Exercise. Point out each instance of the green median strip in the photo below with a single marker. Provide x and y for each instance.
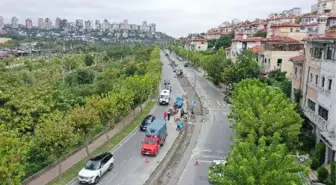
(71, 173)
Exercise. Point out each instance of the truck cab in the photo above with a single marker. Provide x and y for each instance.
(164, 97)
(156, 134)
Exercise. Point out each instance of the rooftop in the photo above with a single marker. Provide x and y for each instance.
(283, 17)
(256, 49)
(248, 39)
(291, 24)
(329, 35)
(298, 59)
(278, 39)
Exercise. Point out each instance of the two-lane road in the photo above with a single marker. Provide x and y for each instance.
(213, 141)
(130, 167)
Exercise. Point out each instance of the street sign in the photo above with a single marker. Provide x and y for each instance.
(194, 102)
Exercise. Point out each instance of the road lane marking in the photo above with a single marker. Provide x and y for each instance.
(130, 160)
(113, 177)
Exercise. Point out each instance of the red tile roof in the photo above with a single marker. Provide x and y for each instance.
(256, 49)
(310, 16)
(300, 58)
(278, 39)
(329, 35)
(248, 39)
(331, 15)
(197, 40)
(291, 24)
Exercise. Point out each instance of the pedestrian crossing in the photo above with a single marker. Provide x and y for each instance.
(217, 104)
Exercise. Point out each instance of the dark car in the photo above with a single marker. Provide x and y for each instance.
(186, 64)
(168, 87)
(146, 121)
(166, 82)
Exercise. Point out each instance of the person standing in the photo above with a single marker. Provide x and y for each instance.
(164, 115)
(168, 115)
(182, 113)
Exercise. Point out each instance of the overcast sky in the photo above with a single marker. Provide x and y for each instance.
(174, 17)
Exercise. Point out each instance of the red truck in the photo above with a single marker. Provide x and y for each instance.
(156, 134)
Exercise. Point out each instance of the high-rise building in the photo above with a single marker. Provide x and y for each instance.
(63, 24)
(57, 23)
(48, 24)
(15, 22)
(326, 6)
(41, 23)
(314, 8)
(88, 25)
(72, 27)
(106, 25)
(29, 23)
(79, 25)
(97, 25)
(152, 27)
(2, 23)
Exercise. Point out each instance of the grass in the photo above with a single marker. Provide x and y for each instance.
(72, 172)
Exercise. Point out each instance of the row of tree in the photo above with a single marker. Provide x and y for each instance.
(220, 68)
(266, 128)
(41, 123)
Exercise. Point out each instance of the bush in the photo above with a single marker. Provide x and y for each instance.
(315, 163)
(322, 173)
(333, 173)
(320, 152)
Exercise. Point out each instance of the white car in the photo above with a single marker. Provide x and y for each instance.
(96, 168)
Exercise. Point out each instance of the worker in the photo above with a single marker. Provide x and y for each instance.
(165, 115)
(182, 113)
(169, 114)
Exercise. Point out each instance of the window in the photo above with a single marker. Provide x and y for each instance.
(329, 84)
(322, 81)
(311, 77)
(316, 79)
(311, 105)
(295, 71)
(279, 62)
(291, 29)
(323, 112)
(265, 60)
(329, 55)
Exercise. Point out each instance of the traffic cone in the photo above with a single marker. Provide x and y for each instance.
(196, 163)
(146, 160)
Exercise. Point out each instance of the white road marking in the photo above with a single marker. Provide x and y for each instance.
(130, 160)
(113, 176)
(219, 103)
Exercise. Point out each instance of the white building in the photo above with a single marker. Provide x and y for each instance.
(97, 25)
(79, 24)
(196, 45)
(15, 22)
(48, 24)
(88, 25)
(29, 23)
(57, 23)
(41, 23)
(326, 6)
(106, 25)
(239, 44)
(314, 8)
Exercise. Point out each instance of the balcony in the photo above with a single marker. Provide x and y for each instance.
(313, 86)
(324, 91)
(321, 123)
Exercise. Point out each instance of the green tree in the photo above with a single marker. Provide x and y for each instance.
(89, 60)
(263, 110)
(260, 33)
(255, 162)
(278, 79)
(55, 137)
(29, 65)
(12, 156)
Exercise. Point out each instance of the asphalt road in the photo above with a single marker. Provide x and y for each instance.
(130, 167)
(213, 141)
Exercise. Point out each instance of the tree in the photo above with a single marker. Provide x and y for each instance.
(12, 156)
(260, 33)
(84, 120)
(89, 60)
(55, 137)
(278, 79)
(262, 161)
(246, 66)
(264, 110)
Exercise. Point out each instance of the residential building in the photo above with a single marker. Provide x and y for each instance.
(106, 25)
(144, 26)
(319, 100)
(88, 25)
(97, 25)
(72, 27)
(296, 11)
(64, 24)
(296, 31)
(313, 8)
(2, 23)
(326, 6)
(41, 23)
(331, 22)
(29, 23)
(196, 44)
(235, 21)
(79, 25)
(240, 44)
(48, 24)
(115, 26)
(309, 18)
(152, 27)
(276, 52)
(15, 22)
(57, 23)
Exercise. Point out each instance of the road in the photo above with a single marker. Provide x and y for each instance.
(213, 141)
(130, 167)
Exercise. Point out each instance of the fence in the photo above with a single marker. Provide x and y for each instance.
(54, 170)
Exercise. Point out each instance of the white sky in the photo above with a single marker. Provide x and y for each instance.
(173, 17)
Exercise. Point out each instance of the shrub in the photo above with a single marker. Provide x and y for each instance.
(320, 152)
(315, 163)
(333, 173)
(322, 173)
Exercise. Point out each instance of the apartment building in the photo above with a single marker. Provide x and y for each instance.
(240, 44)
(41, 23)
(276, 52)
(2, 23)
(314, 76)
(15, 22)
(196, 44)
(29, 23)
(326, 6)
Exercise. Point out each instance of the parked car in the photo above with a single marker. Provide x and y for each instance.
(95, 168)
(168, 87)
(179, 101)
(215, 170)
(186, 64)
(146, 121)
(166, 82)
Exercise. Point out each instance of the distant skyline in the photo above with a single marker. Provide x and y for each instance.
(173, 17)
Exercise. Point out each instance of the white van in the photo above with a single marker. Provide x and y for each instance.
(164, 97)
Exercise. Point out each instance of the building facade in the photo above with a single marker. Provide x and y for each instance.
(2, 23)
(29, 23)
(326, 6)
(196, 44)
(15, 22)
